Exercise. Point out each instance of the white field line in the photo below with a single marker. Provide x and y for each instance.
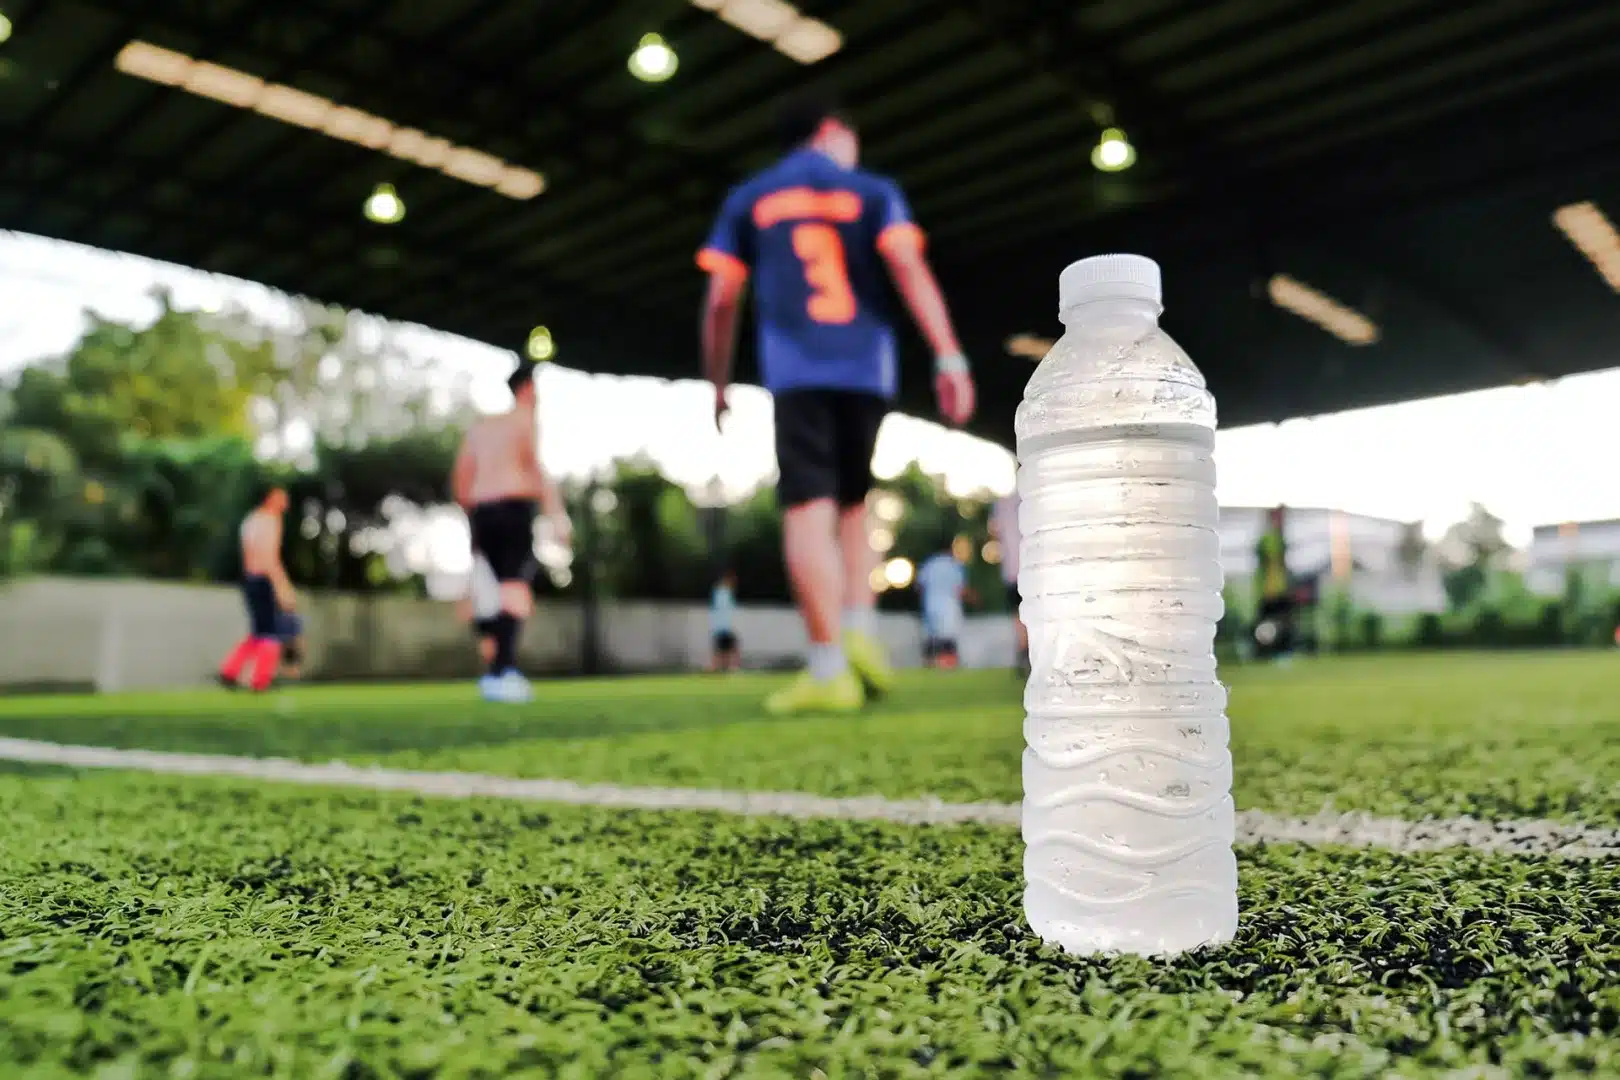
(1526, 837)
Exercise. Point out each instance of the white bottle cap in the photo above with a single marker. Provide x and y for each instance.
(1110, 277)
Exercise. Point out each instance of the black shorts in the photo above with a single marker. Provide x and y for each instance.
(824, 443)
(260, 597)
(1015, 599)
(503, 533)
(1278, 607)
(725, 641)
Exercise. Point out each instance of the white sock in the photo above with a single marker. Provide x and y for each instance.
(861, 620)
(827, 662)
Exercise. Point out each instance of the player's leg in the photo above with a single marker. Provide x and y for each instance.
(231, 668)
(484, 632)
(807, 490)
(503, 532)
(290, 633)
(261, 649)
(859, 418)
(1015, 601)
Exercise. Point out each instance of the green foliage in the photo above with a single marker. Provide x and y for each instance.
(134, 454)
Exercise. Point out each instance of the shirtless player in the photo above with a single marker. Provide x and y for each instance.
(269, 596)
(499, 482)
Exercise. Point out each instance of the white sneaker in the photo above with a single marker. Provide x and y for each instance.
(510, 688)
(517, 687)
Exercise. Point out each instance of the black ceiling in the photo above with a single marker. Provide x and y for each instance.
(1404, 156)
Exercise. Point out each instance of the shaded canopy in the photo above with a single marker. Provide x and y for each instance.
(1403, 156)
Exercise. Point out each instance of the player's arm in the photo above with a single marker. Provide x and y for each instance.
(279, 581)
(722, 312)
(724, 257)
(915, 281)
(461, 475)
(551, 500)
(901, 243)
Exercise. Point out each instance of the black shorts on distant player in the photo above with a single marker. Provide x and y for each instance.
(824, 444)
(259, 595)
(503, 532)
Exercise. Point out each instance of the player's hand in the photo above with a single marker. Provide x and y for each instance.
(721, 406)
(956, 395)
(288, 602)
(563, 529)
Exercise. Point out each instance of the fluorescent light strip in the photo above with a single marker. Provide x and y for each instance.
(1347, 324)
(778, 23)
(315, 113)
(1590, 230)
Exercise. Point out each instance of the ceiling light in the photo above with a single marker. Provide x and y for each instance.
(385, 207)
(1347, 324)
(352, 125)
(1028, 346)
(294, 107)
(153, 64)
(541, 346)
(301, 109)
(1113, 152)
(809, 40)
(475, 167)
(1590, 230)
(794, 34)
(408, 144)
(516, 183)
(223, 84)
(764, 19)
(653, 61)
(5, 28)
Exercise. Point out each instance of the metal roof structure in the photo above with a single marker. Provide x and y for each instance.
(1404, 157)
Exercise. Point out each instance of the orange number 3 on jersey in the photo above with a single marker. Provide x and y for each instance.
(821, 250)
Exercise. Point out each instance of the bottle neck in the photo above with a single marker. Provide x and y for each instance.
(1111, 312)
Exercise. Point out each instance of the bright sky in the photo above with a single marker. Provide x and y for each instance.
(1530, 454)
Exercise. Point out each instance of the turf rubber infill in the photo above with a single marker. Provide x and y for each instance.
(1252, 826)
(184, 927)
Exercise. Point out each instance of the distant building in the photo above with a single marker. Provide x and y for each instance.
(1360, 552)
(1593, 547)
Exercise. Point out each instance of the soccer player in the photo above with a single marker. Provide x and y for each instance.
(1274, 629)
(268, 594)
(942, 581)
(722, 620)
(1004, 527)
(499, 481)
(818, 234)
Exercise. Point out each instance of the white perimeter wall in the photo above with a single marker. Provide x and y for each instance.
(118, 635)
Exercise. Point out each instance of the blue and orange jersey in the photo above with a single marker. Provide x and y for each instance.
(812, 234)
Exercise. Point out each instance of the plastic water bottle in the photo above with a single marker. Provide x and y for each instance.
(1127, 817)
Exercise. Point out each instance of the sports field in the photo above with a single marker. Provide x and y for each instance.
(194, 926)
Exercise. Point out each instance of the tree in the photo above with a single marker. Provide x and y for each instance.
(1412, 549)
(1470, 550)
(135, 453)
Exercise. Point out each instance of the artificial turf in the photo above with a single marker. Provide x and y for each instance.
(1491, 736)
(194, 928)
